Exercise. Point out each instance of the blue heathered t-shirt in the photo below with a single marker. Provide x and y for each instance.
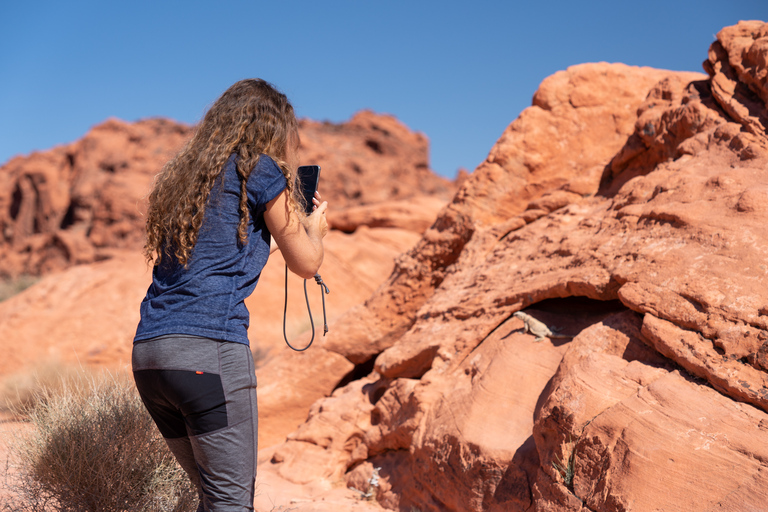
(207, 298)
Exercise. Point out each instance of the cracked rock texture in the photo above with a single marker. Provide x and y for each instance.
(625, 208)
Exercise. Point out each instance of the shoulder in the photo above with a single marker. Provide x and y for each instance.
(266, 170)
(266, 180)
(267, 165)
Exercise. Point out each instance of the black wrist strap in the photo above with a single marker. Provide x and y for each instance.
(323, 290)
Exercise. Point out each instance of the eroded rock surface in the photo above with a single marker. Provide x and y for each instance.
(625, 207)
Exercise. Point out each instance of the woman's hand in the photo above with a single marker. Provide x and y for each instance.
(316, 223)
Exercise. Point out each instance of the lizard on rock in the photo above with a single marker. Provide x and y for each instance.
(537, 327)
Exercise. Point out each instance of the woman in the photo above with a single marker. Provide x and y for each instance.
(212, 213)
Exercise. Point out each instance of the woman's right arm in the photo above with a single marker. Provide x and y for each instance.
(300, 240)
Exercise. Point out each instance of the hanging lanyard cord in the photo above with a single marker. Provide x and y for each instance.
(323, 290)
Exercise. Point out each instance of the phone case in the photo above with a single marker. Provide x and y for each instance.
(309, 176)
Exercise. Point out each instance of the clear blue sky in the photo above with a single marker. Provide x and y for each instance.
(459, 72)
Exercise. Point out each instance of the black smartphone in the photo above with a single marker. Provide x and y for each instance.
(309, 176)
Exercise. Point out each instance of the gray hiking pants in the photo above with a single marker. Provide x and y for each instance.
(201, 393)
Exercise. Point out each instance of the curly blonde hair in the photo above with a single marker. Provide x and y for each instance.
(251, 118)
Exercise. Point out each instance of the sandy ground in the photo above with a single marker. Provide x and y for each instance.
(274, 493)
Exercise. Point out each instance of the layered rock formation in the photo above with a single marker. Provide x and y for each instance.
(626, 206)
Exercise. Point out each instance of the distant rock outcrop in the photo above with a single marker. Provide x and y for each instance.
(75, 203)
(78, 203)
(369, 159)
(626, 207)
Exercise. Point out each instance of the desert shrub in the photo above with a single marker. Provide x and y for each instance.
(93, 447)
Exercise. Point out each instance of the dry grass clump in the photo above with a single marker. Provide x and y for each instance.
(20, 393)
(93, 447)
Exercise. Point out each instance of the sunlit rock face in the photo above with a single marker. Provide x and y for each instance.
(626, 210)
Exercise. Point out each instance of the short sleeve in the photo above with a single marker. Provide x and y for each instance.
(265, 183)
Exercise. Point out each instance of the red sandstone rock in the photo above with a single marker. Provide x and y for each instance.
(370, 159)
(739, 70)
(637, 429)
(657, 235)
(416, 215)
(435, 337)
(75, 203)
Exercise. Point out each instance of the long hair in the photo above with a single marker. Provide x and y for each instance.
(249, 119)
